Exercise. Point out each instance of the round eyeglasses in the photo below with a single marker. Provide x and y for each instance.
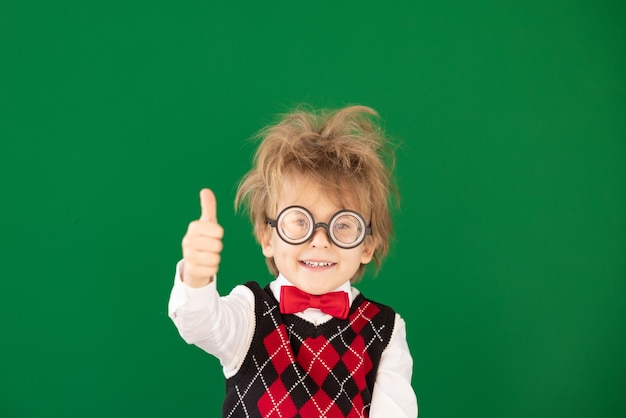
(295, 225)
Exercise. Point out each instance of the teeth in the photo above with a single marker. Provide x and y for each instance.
(317, 264)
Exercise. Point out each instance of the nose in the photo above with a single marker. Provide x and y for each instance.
(320, 236)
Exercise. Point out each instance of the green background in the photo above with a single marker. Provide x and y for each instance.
(509, 263)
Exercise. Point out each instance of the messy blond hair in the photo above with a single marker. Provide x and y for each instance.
(343, 151)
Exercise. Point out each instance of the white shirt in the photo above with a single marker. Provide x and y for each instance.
(223, 327)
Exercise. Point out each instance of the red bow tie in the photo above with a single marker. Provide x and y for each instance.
(294, 300)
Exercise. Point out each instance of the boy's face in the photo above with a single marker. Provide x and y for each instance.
(316, 266)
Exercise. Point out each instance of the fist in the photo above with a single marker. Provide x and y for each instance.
(202, 244)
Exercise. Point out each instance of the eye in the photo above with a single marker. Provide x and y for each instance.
(295, 223)
(300, 222)
(347, 228)
(343, 225)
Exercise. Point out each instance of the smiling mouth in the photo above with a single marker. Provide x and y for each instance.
(317, 263)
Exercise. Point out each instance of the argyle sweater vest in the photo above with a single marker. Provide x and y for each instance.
(294, 369)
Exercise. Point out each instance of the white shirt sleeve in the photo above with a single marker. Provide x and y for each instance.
(220, 325)
(393, 395)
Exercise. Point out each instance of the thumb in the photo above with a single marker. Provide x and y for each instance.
(208, 206)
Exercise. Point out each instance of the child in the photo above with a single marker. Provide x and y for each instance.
(308, 344)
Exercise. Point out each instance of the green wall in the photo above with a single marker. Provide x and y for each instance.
(509, 263)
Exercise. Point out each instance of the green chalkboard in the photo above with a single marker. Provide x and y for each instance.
(509, 258)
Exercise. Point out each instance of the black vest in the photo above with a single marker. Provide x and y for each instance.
(294, 369)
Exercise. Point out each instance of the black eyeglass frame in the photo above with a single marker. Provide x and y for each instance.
(365, 231)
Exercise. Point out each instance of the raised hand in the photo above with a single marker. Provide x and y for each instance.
(202, 244)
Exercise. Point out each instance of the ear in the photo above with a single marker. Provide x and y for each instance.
(368, 252)
(266, 243)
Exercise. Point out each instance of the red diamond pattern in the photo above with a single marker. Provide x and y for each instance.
(358, 362)
(317, 357)
(277, 347)
(366, 312)
(320, 405)
(276, 402)
(359, 410)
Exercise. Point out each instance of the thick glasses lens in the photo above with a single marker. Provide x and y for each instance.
(295, 225)
(347, 229)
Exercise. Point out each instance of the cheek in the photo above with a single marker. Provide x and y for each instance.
(278, 249)
(284, 251)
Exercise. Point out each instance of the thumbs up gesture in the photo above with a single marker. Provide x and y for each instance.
(202, 244)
